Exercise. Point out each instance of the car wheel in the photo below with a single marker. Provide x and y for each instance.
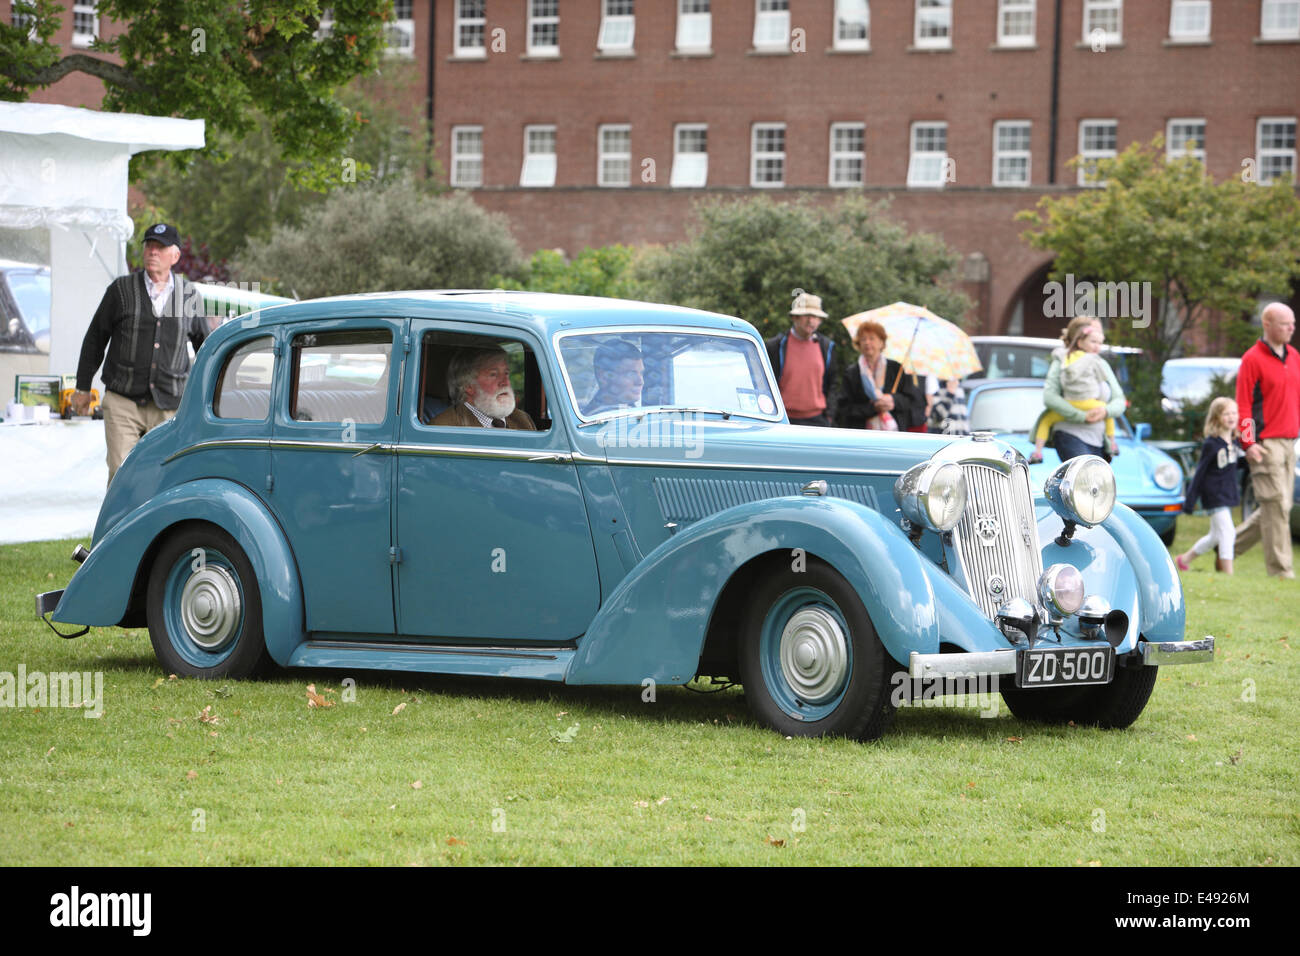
(204, 606)
(1111, 706)
(1167, 536)
(810, 660)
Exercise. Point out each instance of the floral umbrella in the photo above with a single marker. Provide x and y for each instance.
(920, 341)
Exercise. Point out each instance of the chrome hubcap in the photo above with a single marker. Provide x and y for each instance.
(210, 607)
(814, 654)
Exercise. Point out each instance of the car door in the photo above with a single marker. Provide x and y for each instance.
(491, 526)
(332, 469)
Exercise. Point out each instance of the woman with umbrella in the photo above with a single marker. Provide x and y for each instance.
(874, 393)
(881, 392)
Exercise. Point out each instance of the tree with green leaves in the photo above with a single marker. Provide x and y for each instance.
(220, 62)
(748, 257)
(226, 202)
(1164, 233)
(605, 271)
(382, 237)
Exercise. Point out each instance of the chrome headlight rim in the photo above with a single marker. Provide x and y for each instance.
(1060, 588)
(926, 491)
(1062, 488)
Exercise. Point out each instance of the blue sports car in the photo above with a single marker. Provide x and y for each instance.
(1146, 479)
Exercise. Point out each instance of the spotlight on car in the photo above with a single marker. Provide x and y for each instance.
(1017, 617)
(932, 494)
(1082, 490)
(1061, 588)
(1092, 615)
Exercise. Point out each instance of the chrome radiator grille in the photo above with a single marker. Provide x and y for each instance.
(997, 539)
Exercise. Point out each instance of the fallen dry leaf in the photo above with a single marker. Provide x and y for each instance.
(171, 677)
(662, 800)
(1235, 757)
(399, 708)
(416, 785)
(774, 841)
(1191, 736)
(191, 774)
(1015, 740)
(316, 700)
(208, 717)
(453, 841)
(50, 751)
(642, 804)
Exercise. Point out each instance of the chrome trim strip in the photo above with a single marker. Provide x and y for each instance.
(961, 665)
(474, 451)
(219, 443)
(1155, 653)
(505, 454)
(540, 653)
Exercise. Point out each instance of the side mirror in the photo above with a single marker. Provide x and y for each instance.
(1142, 431)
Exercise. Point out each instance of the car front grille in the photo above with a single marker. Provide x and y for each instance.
(997, 539)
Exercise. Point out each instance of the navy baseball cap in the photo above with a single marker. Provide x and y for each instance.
(162, 233)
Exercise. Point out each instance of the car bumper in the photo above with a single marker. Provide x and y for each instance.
(1152, 654)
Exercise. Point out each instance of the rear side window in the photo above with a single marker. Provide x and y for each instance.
(244, 385)
(341, 376)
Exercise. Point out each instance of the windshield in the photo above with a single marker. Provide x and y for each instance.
(608, 372)
(1003, 410)
(32, 292)
(1193, 382)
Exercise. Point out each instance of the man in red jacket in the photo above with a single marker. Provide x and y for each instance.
(1268, 404)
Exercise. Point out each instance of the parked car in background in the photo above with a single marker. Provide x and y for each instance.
(1022, 356)
(1190, 381)
(327, 516)
(1146, 479)
(24, 307)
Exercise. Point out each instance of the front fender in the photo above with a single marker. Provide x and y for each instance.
(100, 590)
(655, 622)
(1161, 609)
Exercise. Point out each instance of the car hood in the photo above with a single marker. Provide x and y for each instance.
(1134, 467)
(745, 443)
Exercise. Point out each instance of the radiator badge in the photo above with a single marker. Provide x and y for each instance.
(988, 529)
(996, 585)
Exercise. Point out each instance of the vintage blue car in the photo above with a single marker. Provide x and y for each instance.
(325, 498)
(1147, 479)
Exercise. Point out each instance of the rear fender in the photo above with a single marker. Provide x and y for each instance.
(100, 590)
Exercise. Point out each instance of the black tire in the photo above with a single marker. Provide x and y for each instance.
(1167, 536)
(814, 619)
(204, 606)
(1112, 706)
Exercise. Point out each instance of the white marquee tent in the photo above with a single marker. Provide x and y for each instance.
(65, 170)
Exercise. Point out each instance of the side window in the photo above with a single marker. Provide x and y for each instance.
(480, 381)
(341, 376)
(244, 385)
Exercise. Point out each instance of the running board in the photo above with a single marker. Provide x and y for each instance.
(537, 663)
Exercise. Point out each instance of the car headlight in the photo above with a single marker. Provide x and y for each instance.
(1168, 476)
(1082, 490)
(932, 494)
(1061, 588)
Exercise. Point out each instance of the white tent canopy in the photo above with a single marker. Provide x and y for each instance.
(66, 170)
(62, 167)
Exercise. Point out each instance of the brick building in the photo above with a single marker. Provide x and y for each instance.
(589, 122)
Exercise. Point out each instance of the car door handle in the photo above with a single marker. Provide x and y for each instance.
(552, 457)
(377, 444)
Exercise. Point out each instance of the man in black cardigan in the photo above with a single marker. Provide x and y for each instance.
(144, 320)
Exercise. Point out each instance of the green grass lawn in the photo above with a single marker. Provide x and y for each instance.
(508, 772)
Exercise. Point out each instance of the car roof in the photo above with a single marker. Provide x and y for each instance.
(1030, 341)
(15, 264)
(545, 312)
(1208, 361)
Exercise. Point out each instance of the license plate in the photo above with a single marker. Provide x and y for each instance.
(1065, 666)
